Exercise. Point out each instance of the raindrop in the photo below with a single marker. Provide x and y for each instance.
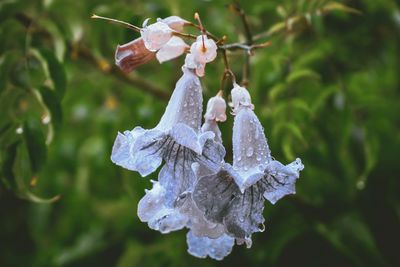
(249, 151)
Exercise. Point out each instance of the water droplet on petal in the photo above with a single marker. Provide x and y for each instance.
(249, 151)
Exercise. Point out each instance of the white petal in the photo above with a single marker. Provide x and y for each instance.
(250, 148)
(151, 203)
(156, 35)
(280, 180)
(216, 109)
(168, 220)
(122, 151)
(204, 52)
(146, 151)
(202, 247)
(240, 98)
(176, 23)
(172, 49)
(212, 125)
(185, 105)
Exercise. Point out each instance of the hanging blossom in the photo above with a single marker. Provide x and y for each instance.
(157, 40)
(202, 51)
(178, 140)
(204, 238)
(235, 195)
(207, 238)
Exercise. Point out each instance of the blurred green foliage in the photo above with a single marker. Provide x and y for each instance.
(326, 90)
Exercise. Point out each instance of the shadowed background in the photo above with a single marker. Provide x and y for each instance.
(326, 90)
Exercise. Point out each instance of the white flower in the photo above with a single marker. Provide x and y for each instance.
(204, 50)
(156, 35)
(238, 191)
(240, 97)
(216, 112)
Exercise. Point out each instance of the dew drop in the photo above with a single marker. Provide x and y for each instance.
(249, 151)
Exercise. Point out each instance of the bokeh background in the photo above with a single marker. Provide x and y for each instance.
(326, 90)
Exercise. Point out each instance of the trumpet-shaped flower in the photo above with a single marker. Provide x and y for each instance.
(178, 141)
(235, 195)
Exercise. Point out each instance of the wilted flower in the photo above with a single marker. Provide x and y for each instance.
(235, 195)
(131, 55)
(156, 39)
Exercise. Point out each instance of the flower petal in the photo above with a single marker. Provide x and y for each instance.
(151, 203)
(156, 35)
(122, 150)
(202, 247)
(172, 49)
(176, 23)
(131, 55)
(146, 151)
(222, 202)
(279, 180)
(168, 220)
(250, 148)
(185, 105)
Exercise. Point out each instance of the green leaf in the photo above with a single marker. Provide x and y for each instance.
(276, 90)
(302, 74)
(277, 27)
(56, 72)
(36, 144)
(7, 159)
(22, 174)
(52, 102)
(336, 6)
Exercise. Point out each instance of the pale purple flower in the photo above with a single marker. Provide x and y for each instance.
(178, 140)
(235, 195)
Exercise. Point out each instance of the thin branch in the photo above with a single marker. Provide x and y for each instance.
(136, 81)
(119, 22)
(249, 40)
(248, 48)
(227, 71)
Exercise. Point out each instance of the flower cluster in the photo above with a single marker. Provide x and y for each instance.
(196, 189)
